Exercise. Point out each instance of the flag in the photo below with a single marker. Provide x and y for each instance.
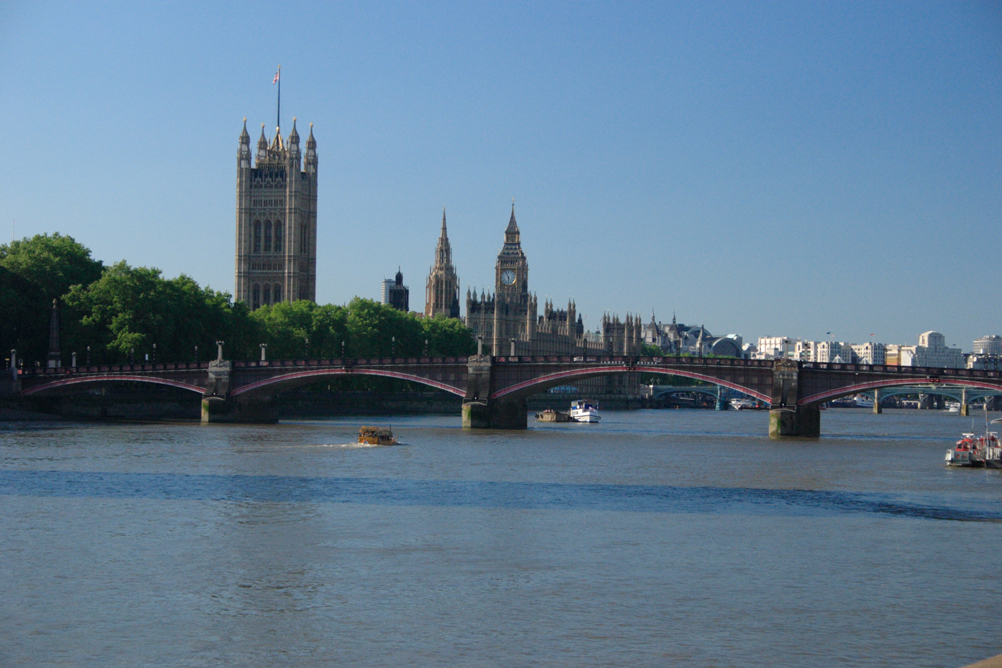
(275, 80)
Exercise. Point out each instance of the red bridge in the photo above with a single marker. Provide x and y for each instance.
(494, 389)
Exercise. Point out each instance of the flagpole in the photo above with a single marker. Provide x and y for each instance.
(278, 116)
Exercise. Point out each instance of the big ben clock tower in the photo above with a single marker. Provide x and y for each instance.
(511, 273)
(513, 312)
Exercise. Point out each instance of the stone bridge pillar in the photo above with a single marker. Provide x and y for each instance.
(877, 410)
(965, 409)
(480, 411)
(785, 417)
(218, 405)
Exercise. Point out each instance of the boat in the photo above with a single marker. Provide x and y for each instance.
(972, 451)
(863, 401)
(963, 454)
(550, 415)
(376, 436)
(583, 411)
(953, 407)
(741, 404)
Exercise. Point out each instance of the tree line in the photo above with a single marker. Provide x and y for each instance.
(118, 313)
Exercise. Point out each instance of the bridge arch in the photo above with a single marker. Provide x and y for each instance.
(934, 388)
(83, 382)
(683, 389)
(536, 385)
(306, 376)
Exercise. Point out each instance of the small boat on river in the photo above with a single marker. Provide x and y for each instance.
(376, 436)
(583, 411)
(977, 452)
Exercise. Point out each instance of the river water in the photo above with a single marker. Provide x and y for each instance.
(656, 538)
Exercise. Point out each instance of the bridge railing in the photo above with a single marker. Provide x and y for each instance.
(339, 362)
(929, 371)
(633, 360)
(113, 368)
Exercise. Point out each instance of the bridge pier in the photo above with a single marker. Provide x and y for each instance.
(877, 410)
(965, 409)
(798, 421)
(242, 410)
(501, 414)
(786, 418)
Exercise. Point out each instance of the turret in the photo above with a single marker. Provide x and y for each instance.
(310, 166)
(262, 147)
(294, 145)
(244, 152)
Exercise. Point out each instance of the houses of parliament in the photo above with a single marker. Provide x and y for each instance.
(276, 261)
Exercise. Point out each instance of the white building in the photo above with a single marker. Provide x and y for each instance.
(775, 347)
(932, 351)
(988, 345)
(869, 353)
(826, 352)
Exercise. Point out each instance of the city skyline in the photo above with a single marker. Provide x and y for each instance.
(781, 170)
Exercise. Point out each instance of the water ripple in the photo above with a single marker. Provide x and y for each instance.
(473, 494)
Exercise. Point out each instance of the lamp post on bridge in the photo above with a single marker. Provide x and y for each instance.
(88, 355)
(426, 347)
(342, 350)
(393, 346)
(307, 347)
(154, 353)
(132, 355)
(196, 354)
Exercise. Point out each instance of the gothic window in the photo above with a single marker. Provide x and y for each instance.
(278, 237)
(302, 239)
(257, 236)
(267, 293)
(277, 294)
(267, 236)
(256, 297)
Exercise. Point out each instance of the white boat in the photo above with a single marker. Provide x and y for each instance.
(972, 451)
(741, 404)
(582, 411)
(953, 407)
(863, 401)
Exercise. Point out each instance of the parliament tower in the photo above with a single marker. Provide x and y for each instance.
(507, 318)
(276, 240)
(442, 290)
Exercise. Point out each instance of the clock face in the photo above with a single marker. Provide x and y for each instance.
(508, 277)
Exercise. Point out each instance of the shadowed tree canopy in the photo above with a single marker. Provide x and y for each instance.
(129, 309)
(33, 272)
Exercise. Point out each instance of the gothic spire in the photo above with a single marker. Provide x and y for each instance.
(512, 225)
(244, 137)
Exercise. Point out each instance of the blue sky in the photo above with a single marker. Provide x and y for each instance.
(764, 168)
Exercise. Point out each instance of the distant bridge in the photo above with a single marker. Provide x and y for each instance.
(494, 389)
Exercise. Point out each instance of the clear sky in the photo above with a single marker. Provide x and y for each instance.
(763, 168)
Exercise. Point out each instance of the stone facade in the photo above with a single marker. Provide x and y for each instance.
(276, 235)
(442, 289)
(508, 322)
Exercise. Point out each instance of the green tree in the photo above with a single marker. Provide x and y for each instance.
(33, 272)
(448, 337)
(53, 263)
(129, 309)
